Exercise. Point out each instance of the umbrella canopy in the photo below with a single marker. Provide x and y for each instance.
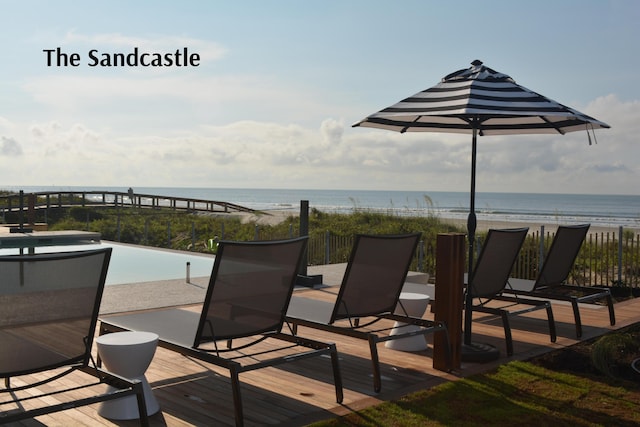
(480, 101)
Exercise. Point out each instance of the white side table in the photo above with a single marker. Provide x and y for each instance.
(415, 304)
(128, 354)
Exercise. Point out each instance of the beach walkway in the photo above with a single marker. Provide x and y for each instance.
(192, 393)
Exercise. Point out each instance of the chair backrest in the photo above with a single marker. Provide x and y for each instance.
(495, 262)
(375, 274)
(49, 307)
(562, 255)
(249, 289)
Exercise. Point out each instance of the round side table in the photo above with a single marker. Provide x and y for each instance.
(128, 354)
(415, 304)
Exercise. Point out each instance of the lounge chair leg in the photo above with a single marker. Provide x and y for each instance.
(337, 377)
(612, 314)
(468, 314)
(377, 377)
(552, 324)
(142, 405)
(576, 316)
(507, 333)
(237, 399)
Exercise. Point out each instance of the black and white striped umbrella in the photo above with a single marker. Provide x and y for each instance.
(480, 101)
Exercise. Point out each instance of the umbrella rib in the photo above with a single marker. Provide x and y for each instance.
(560, 131)
(404, 129)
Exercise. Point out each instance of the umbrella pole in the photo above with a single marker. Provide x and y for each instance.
(471, 233)
(473, 352)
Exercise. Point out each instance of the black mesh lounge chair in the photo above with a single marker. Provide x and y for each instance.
(489, 279)
(551, 281)
(370, 291)
(48, 315)
(243, 311)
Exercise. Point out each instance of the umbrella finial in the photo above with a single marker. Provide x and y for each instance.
(476, 63)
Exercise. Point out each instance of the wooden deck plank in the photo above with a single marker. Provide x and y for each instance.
(193, 393)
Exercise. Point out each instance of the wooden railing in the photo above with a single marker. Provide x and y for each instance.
(30, 202)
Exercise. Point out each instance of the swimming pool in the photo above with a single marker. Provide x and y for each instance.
(133, 264)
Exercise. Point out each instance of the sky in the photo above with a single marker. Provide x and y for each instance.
(279, 83)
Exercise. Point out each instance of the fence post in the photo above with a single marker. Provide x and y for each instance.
(21, 213)
(304, 231)
(620, 256)
(541, 257)
(256, 233)
(421, 256)
(31, 209)
(327, 247)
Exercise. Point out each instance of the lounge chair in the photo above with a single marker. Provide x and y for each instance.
(369, 293)
(243, 311)
(48, 315)
(551, 281)
(489, 279)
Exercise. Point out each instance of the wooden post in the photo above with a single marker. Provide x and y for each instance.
(31, 209)
(450, 263)
(304, 231)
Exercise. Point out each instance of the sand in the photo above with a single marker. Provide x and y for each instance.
(273, 217)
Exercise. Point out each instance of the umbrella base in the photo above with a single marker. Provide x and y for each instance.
(479, 353)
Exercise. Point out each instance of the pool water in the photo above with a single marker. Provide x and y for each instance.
(133, 264)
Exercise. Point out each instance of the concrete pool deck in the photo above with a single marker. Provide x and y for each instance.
(167, 293)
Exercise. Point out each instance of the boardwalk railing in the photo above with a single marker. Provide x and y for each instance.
(33, 202)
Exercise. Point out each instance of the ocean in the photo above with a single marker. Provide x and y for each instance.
(596, 209)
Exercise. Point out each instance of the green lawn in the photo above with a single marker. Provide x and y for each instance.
(516, 394)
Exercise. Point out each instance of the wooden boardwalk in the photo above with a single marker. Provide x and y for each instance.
(192, 393)
(46, 200)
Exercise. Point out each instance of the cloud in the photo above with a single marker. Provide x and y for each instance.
(332, 131)
(261, 153)
(9, 147)
(616, 167)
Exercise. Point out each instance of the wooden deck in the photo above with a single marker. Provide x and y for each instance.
(192, 393)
